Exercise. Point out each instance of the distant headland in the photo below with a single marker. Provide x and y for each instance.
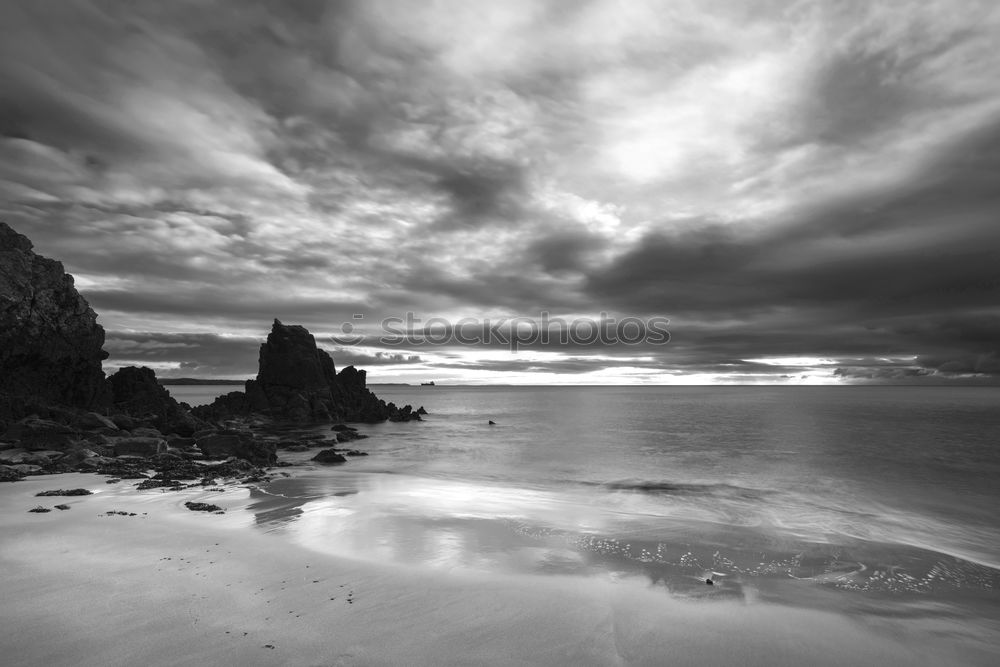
(197, 381)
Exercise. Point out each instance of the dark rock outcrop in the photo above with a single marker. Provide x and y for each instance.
(139, 446)
(298, 382)
(94, 421)
(329, 456)
(19, 456)
(66, 492)
(348, 436)
(50, 362)
(135, 393)
(241, 444)
(294, 376)
(58, 412)
(224, 407)
(50, 342)
(203, 507)
(35, 434)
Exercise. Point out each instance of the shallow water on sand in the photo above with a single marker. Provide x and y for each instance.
(880, 501)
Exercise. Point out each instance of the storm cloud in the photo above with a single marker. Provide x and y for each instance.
(807, 191)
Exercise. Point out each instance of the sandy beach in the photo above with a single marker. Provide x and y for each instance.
(168, 586)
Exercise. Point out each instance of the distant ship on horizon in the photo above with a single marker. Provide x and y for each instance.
(427, 384)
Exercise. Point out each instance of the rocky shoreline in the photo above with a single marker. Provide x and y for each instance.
(59, 413)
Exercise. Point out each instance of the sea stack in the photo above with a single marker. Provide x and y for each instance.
(298, 382)
(294, 377)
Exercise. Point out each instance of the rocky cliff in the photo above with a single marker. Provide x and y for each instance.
(50, 342)
(58, 412)
(298, 382)
(51, 349)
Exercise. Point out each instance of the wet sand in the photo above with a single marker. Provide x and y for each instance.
(168, 586)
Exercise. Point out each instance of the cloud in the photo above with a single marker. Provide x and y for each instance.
(813, 180)
(135, 110)
(211, 355)
(348, 357)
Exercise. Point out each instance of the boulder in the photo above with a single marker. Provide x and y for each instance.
(19, 456)
(203, 507)
(34, 433)
(123, 422)
(329, 456)
(65, 492)
(97, 463)
(50, 342)
(91, 421)
(78, 455)
(241, 444)
(146, 432)
(139, 446)
(12, 456)
(9, 474)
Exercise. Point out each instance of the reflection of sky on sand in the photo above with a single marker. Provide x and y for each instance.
(402, 519)
(456, 525)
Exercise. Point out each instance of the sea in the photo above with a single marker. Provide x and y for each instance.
(876, 501)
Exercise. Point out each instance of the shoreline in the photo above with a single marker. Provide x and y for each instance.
(170, 586)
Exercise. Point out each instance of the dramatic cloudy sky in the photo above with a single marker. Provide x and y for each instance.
(809, 191)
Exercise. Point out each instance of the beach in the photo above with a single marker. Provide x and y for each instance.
(167, 586)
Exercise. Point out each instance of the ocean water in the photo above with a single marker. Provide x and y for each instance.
(878, 499)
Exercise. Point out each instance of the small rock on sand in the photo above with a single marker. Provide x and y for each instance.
(65, 492)
(202, 507)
